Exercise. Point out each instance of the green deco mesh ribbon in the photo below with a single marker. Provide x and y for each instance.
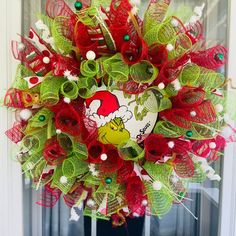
(50, 90)
(130, 150)
(31, 164)
(57, 182)
(73, 167)
(69, 89)
(87, 87)
(89, 68)
(80, 150)
(199, 175)
(195, 75)
(143, 72)
(116, 68)
(90, 180)
(66, 142)
(199, 132)
(35, 140)
(61, 33)
(40, 119)
(160, 200)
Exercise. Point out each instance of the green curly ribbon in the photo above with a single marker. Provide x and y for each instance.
(87, 16)
(162, 98)
(64, 187)
(184, 44)
(50, 90)
(160, 201)
(35, 140)
(194, 75)
(69, 89)
(154, 15)
(199, 131)
(40, 119)
(130, 150)
(87, 87)
(143, 72)
(66, 142)
(116, 68)
(58, 29)
(199, 175)
(73, 167)
(30, 166)
(80, 150)
(89, 68)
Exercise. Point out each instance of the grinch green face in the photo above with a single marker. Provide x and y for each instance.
(113, 132)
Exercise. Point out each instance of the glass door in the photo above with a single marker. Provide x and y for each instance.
(205, 199)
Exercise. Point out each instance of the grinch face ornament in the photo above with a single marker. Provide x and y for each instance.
(121, 116)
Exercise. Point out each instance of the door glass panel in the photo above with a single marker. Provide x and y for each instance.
(205, 198)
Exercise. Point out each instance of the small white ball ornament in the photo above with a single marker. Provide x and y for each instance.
(144, 202)
(21, 47)
(171, 144)
(58, 131)
(25, 114)
(170, 47)
(212, 145)
(135, 214)
(67, 100)
(90, 55)
(46, 60)
(161, 86)
(193, 113)
(90, 203)
(104, 157)
(157, 185)
(63, 180)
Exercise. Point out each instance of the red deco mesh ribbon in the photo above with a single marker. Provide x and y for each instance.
(68, 120)
(156, 147)
(15, 134)
(187, 101)
(95, 150)
(72, 198)
(31, 56)
(131, 87)
(203, 148)
(53, 153)
(113, 161)
(56, 8)
(125, 172)
(195, 31)
(49, 197)
(212, 58)
(157, 55)
(135, 194)
(184, 166)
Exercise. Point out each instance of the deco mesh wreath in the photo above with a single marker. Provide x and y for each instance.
(116, 113)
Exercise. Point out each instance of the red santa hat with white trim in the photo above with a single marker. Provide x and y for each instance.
(104, 107)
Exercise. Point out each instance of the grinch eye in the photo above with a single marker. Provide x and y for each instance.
(113, 127)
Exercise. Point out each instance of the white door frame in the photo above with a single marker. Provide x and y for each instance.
(11, 212)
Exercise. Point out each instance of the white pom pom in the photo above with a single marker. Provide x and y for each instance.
(176, 84)
(104, 157)
(212, 145)
(63, 180)
(90, 55)
(21, 47)
(171, 144)
(161, 86)
(135, 214)
(46, 60)
(193, 113)
(174, 22)
(67, 100)
(219, 107)
(58, 131)
(144, 202)
(25, 114)
(157, 185)
(170, 47)
(90, 203)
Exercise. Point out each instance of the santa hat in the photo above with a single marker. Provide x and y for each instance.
(105, 107)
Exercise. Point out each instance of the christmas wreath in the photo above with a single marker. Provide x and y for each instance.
(117, 113)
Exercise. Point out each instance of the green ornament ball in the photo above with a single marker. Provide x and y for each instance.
(220, 56)
(126, 37)
(78, 5)
(42, 118)
(108, 180)
(189, 134)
